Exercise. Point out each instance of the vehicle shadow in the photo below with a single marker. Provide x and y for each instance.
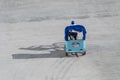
(55, 50)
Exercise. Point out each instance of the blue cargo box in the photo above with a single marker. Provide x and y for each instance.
(75, 46)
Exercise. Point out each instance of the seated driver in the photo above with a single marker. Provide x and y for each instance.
(71, 31)
(72, 35)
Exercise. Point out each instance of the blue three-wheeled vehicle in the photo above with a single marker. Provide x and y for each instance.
(73, 45)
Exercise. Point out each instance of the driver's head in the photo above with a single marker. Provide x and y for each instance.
(72, 22)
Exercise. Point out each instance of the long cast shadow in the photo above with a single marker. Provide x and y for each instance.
(55, 50)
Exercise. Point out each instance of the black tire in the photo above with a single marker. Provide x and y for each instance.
(66, 54)
(84, 53)
(72, 53)
(76, 55)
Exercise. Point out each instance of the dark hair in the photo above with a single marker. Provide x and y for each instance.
(72, 22)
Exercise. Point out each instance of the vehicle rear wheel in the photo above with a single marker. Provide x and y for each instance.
(66, 54)
(84, 53)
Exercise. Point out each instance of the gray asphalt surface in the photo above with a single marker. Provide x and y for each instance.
(32, 40)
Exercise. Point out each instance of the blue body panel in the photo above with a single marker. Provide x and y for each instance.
(75, 46)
